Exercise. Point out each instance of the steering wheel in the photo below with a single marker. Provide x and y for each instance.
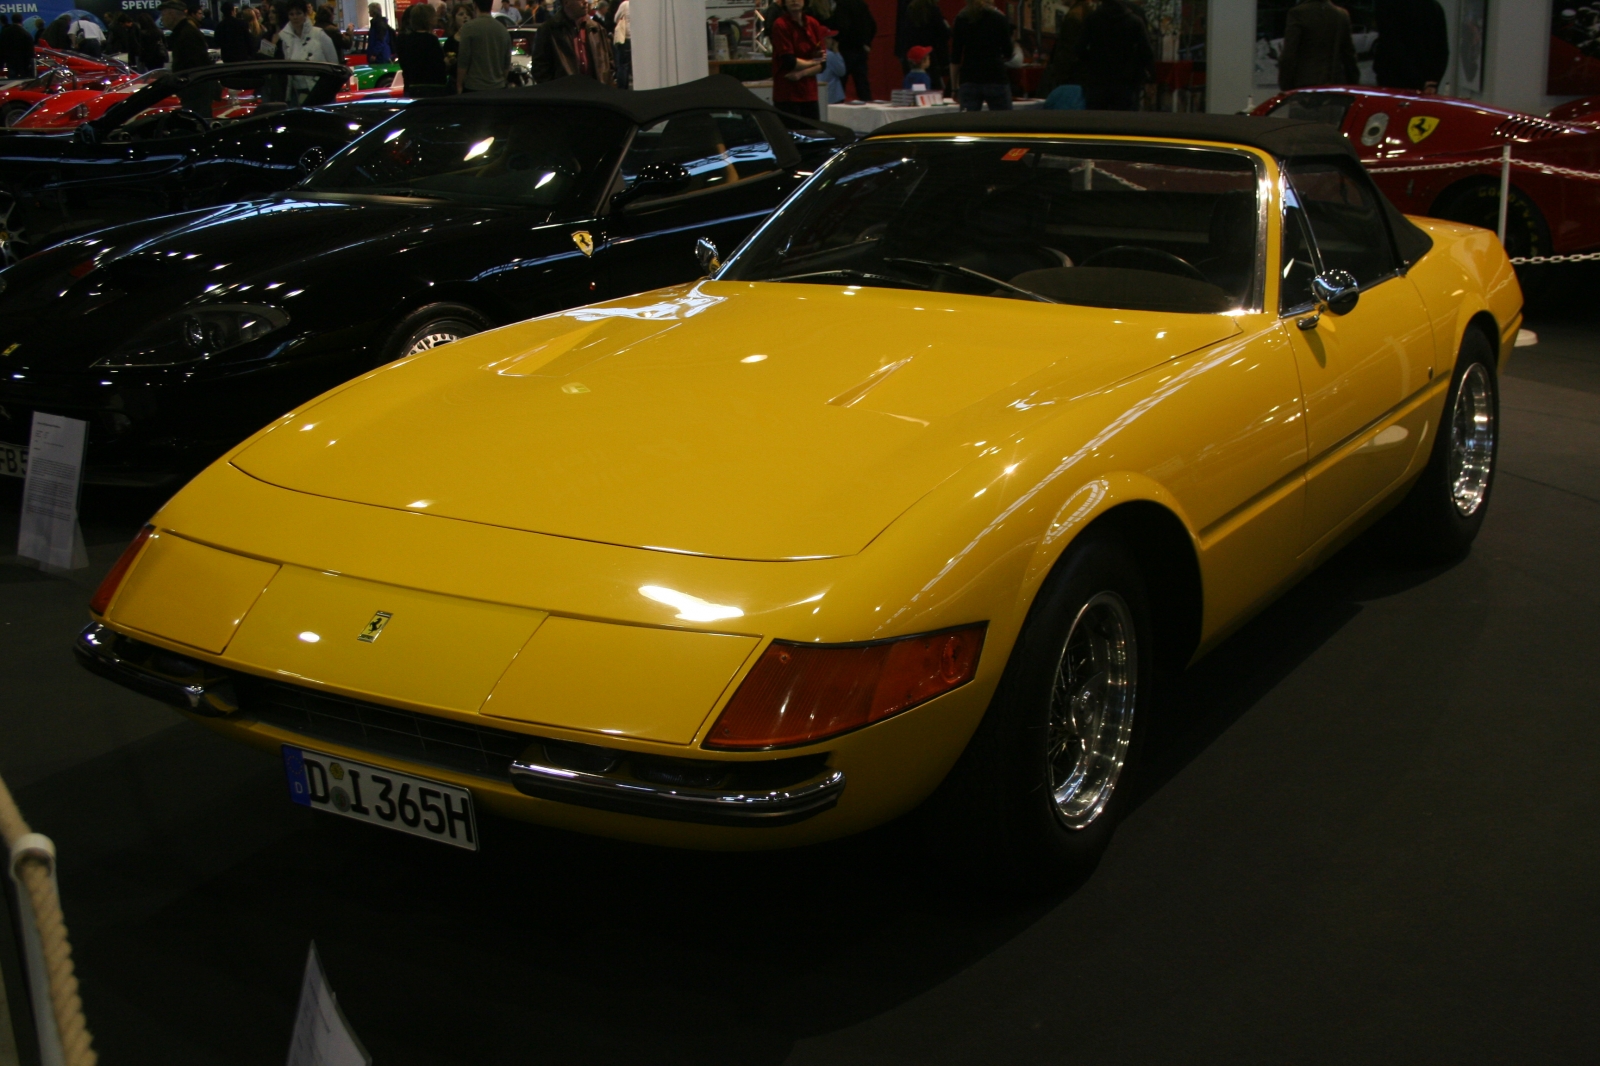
(180, 122)
(1139, 257)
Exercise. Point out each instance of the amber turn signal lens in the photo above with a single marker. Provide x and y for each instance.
(119, 570)
(801, 693)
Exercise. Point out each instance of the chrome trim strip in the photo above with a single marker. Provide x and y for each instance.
(776, 807)
(206, 697)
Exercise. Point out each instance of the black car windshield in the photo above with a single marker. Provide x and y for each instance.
(1103, 225)
(515, 154)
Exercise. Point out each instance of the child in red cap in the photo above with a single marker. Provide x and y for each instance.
(918, 79)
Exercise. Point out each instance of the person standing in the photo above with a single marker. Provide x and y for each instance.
(1413, 48)
(1115, 58)
(324, 22)
(856, 28)
(1317, 47)
(152, 45)
(622, 48)
(380, 37)
(1063, 66)
(87, 37)
(483, 51)
(233, 36)
(189, 50)
(980, 47)
(16, 48)
(300, 40)
(57, 35)
(421, 58)
(573, 43)
(796, 59)
(925, 27)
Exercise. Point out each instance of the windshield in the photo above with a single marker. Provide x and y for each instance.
(547, 157)
(1142, 228)
(1328, 108)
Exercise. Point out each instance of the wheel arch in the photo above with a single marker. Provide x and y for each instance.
(1144, 517)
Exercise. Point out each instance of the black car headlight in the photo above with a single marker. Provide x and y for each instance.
(198, 333)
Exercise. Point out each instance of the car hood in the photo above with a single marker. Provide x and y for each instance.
(731, 419)
(258, 251)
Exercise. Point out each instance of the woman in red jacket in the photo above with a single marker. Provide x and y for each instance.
(796, 58)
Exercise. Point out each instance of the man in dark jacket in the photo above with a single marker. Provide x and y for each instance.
(189, 52)
(1317, 49)
(233, 37)
(570, 42)
(1413, 46)
(1115, 58)
(856, 28)
(16, 48)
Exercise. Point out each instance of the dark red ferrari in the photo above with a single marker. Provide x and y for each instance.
(1549, 213)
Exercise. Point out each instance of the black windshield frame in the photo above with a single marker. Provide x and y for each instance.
(1244, 169)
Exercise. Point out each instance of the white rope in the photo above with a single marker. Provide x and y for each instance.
(33, 859)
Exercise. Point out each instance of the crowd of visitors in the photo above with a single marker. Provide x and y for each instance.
(1412, 50)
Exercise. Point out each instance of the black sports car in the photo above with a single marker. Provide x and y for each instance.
(177, 337)
(140, 158)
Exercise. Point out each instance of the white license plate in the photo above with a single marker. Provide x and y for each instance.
(410, 804)
(13, 460)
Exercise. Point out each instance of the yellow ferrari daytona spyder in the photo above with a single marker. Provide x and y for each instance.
(915, 500)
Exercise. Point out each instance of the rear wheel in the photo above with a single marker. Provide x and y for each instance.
(11, 112)
(14, 246)
(1444, 510)
(430, 327)
(1477, 203)
(1035, 797)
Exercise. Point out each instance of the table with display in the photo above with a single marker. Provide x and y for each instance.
(864, 118)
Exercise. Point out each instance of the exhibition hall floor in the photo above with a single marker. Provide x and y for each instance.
(1368, 831)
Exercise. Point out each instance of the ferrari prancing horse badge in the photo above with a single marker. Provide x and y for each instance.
(374, 629)
(1419, 128)
(584, 242)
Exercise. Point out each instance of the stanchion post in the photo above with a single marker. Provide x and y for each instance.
(1505, 190)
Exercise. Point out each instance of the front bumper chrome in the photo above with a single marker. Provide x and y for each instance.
(714, 806)
(726, 792)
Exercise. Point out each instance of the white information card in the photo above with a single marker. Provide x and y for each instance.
(49, 533)
(322, 1036)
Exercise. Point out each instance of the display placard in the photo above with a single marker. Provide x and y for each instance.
(49, 532)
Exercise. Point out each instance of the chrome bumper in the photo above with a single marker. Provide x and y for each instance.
(169, 678)
(610, 779)
(751, 807)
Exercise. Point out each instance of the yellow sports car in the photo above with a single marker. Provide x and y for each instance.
(998, 422)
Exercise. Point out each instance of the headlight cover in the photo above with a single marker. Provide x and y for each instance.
(198, 333)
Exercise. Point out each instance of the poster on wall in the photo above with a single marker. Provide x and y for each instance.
(1471, 27)
(1574, 49)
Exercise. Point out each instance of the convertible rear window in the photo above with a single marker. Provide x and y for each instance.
(1104, 225)
(1327, 108)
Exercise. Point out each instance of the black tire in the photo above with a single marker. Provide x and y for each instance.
(1477, 203)
(1444, 510)
(996, 819)
(432, 326)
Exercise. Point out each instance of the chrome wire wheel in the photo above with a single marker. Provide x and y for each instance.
(1472, 432)
(1091, 709)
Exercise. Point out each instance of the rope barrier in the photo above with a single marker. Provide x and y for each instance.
(33, 862)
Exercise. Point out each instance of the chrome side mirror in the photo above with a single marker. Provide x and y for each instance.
(1336, 293)
(706, 252)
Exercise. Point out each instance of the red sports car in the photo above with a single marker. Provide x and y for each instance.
(59, 72)
(1394, 130)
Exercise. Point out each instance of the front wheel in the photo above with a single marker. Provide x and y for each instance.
(1035, 797)
(432, 326)
(1444, 510)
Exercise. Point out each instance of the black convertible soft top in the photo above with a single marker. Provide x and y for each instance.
(643, 106)
(1282, 138)
(1279, 136)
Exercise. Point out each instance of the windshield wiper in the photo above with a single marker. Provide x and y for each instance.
(956, 268)
(842, 272)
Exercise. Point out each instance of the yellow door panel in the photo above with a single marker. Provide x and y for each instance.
(629, 681)
(190, 593)
(380, 640)
(1357, 371)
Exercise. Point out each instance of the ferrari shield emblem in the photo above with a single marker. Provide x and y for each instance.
(1419, 128)
(584, 242)
(374, 629)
